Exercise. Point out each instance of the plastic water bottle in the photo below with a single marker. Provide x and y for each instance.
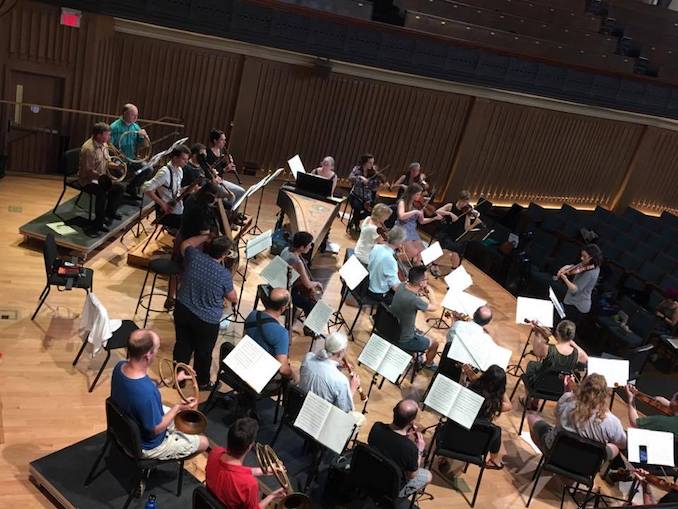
(150, 503)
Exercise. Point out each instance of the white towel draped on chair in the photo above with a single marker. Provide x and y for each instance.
(95, 325)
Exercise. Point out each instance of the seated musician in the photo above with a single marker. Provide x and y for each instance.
(265, 329)
(369, 232)
(667, 423)
(193, 170)
(127, 144)
(409, 298)
(582, 410)
(233, 483)
(643, 477)
(165, 188)
(138, 396)
(95, 162)
(205, 286)
(383, 267)
(364, 189)
(219, 160)
(401, 442)
(458, 219)
(320, 374)
(304, 290)
(413, 175)
(326, 171)
(481, 318)
(409, 217)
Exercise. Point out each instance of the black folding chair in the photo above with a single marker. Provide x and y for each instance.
(70, 163)
(574, 457)
(204, 499)
(294, 400)
(387, 326)
(83, 281)
(446, 367)
(547, 387)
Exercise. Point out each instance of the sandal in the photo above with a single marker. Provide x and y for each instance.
(491, 465)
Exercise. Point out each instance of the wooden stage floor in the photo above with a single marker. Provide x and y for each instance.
(44, 401)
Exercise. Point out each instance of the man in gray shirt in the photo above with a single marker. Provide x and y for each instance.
(407, 301)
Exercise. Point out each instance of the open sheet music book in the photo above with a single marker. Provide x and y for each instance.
(318, 317)
(478, 350)
(275, 273)
(615, 371)
(659, 446)
(326, 423)
(454, 401)
(353, 272)
(462, 302)
(254, 365)
(530, 309)
(296, 165)
(384, 358)
(458, 280)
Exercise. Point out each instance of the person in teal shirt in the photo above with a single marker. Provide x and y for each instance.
(128, 146)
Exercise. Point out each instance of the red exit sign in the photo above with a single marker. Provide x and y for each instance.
(70, 17)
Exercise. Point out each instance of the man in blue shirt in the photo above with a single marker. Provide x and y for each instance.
(383, 267)
(127, 144)
(138, 396)
(205, 285)
(264, 328)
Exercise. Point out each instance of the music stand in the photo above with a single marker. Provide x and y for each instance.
(314, 184)
(516, 369)
(479, 234)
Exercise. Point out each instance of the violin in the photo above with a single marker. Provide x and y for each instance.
(573, 270)
(650, 401)
(544, 331)
(470, 373)
(351, 373)
(654, 480)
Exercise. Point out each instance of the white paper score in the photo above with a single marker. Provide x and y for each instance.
(296, 165)
(615, 371)
(538, 310)
(431, 253)
(353, 272)
(458, 280)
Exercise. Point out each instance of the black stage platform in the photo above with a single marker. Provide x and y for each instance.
(76, 217)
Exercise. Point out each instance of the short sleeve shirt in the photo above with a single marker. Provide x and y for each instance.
(398, 448)
(204, 285)
(234, 485)
(405, 305)
(275, 339)
(383, 269)
(126, 144)
(322, 377)
(668, 423)
(366, 241)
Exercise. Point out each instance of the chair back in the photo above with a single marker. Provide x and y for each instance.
(50, 253)
(204, 499)
(70, 162)
(294, 400)
(575, 454)
(374, 474)
(642, 323)
(124, 430)
(455, 438)
(448, 367)
(638, 359)
(548, 385)
(95, 321)
(386, 324)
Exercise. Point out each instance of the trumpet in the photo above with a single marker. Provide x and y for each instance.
(270, 463)
(191, 422)
(117, 167)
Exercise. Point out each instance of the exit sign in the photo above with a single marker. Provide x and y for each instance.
(70, 17)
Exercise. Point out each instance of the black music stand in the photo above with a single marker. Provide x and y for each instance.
(440, 322)
(479, 233)
(516, 369)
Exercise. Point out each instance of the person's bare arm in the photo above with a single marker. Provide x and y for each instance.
(404, 216)
(196, 241)
(232, 296)
(506, 405)
(286, 368)
(398, 183)
(540, 345)
(168, 418)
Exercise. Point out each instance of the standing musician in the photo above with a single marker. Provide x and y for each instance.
(413, 175)
(383, 267)
(409, 298)
(138, 397)
(365, 181)
(95, 161)
(409, 218)
(165, 188)
(460, 217)
(320, 374)
(372, 231)
(220, 160)
(127, 144)
(305, 290)
(205, 286)
(667, 422)
(580, 280)
(326, 171)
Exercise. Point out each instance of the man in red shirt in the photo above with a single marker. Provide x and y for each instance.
(228, 479)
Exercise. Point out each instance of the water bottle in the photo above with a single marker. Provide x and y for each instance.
(150, 503)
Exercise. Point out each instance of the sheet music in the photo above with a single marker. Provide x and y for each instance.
(384, 358)
(615, 371)
(431, 253)
(462, 302)
(374, 352)
(460, 353)
(61, 228)
(442, 395)
(270, 178)
(353, 272)
(296, 165)
(466, 407)
(500, 356)
(556, 303)
(259, 243)
(478, 350)
(313, 414)
(534, 309)
(318, 317)
(458, 280)
(275, 273)
(673, 342)
(326, 423)
(659, 446)
(254, 365)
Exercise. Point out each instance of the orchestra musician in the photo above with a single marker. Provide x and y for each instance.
(326, 171)
(127, 144)
(220, 160)
(193, 170)
(458, 218)
(409, 298)
(383, 267)
(95, 162)
(365, 182)
(305, 291)
(165, 188)
(320, 374)
(478, 325)
(409, 218)
(413, 175)
(667, 422)
(233, 483)
(580, 280)
(372, 231)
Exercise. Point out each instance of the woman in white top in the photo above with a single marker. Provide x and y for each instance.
(369, 231)
(326, 170)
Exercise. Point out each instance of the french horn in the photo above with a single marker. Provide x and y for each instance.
(143, 146)
(191, 422)
(118, 172)
(270, 463)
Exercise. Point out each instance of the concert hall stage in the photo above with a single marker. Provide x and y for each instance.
(76, 217)
(62, 476)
